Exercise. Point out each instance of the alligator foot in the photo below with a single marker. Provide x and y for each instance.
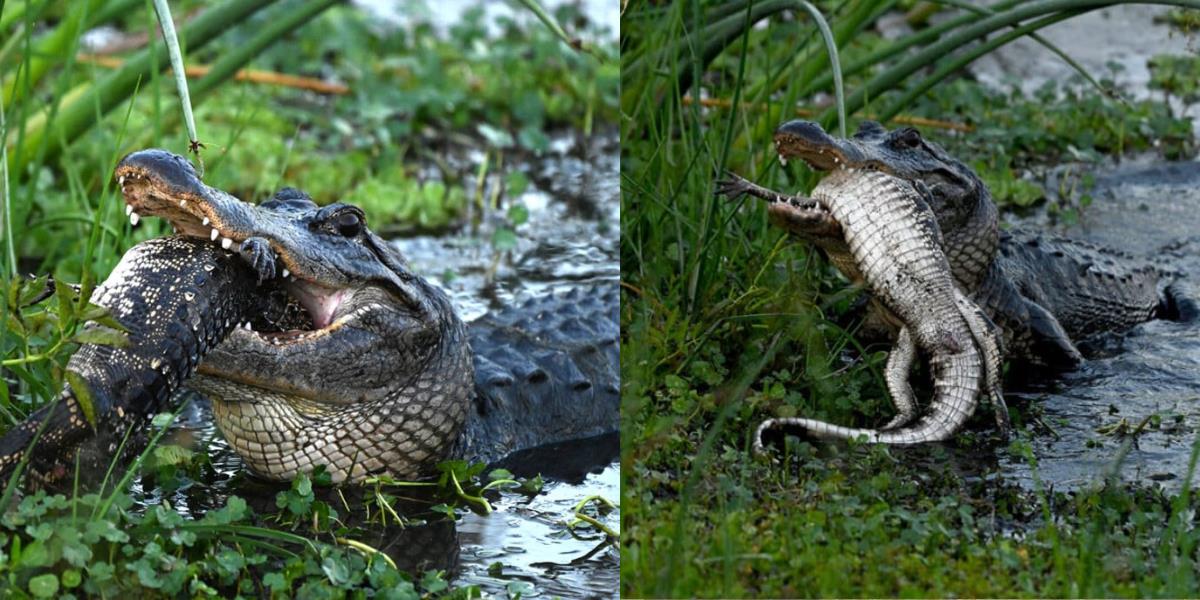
(899, 363)
(988, 337)
(799, 215)
(258, 254)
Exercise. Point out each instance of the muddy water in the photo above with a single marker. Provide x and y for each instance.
(1152, 373)
(571, 237)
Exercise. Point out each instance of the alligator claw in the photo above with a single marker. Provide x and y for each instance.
(732, 186)
(258, 254)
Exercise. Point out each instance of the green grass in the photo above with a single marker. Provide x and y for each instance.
(726, 322)
(419, 99)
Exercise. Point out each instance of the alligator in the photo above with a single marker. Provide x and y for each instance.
(885, 218)
(1046, 293)
(176, 299)
(356, 363)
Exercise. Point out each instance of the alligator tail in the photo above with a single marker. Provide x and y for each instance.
(176, 305)
(956, 388)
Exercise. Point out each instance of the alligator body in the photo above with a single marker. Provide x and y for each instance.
(1045, 293)
(896, 248)
(552, 361)
(362, 366)
(177, 298)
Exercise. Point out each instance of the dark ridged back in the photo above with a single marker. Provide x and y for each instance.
(178, 297)
(1089, 288)
(545, 371)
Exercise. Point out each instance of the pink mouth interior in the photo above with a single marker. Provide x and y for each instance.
(320, 302)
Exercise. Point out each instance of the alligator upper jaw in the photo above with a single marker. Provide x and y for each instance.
(162, 184)
(806, 140)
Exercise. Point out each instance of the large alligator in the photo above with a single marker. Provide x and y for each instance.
(1045, 293)
(884, 219)
(357, 363)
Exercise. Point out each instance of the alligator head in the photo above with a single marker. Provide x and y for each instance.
(965, 212)
(369, 371)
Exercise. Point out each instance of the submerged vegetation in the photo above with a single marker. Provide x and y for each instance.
(726, 322)
(392, 117)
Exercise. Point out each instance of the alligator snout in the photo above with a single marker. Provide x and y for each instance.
(807, 141)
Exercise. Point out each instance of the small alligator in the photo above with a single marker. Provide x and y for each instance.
(1008, 273)
(177, 298)
(356, 362)
(1043, 293)
(896, 247)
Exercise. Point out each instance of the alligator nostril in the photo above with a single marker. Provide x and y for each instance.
(582, 386)
(538, 376)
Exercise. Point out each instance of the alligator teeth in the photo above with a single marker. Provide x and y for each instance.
(121, 180)
(213, 235)
(246, 326)
(783, 161)
(133, 218)
(286, 273)
(226, 243)
(183, 204)
(205, 221)
(128, 209)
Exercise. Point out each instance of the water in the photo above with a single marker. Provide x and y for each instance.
(1152, 372)
(571, 237)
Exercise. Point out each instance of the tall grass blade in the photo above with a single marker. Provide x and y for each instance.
(1047, 44)
(835, 64)
(6, 197)
(172, 41)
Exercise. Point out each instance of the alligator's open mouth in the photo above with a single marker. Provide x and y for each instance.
(303, 309)
(806, 141)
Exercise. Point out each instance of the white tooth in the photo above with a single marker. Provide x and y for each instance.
(121, 180)
(205, 221)
(247, 326)
(213, 235)
(133, 218)
(183, 204)
(783, 161)
(226, 243)
(286, 273)
(128, 209)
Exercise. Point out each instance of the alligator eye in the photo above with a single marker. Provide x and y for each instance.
(348, 224)
(908, 138)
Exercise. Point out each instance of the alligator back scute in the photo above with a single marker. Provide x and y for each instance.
(1089, 288)
(546, 371)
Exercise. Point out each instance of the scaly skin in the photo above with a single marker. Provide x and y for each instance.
(1096, 290)
(893, 238)
(375, 375)
(177, 298)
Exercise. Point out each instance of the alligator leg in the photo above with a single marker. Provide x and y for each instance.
(801, 216)
(899, 363)
(1035, 332)
(1179, 304)
(987, 338)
